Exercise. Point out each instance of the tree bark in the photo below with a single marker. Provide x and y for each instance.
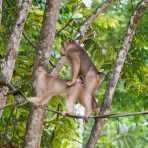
(99, 123)
(35, 120)
(8, 63)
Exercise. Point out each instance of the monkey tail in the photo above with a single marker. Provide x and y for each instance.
(94, 105)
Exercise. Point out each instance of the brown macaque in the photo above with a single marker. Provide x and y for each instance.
(83, 67)
(47, 86)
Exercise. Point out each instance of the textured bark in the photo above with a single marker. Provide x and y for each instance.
(35, 120)
(1, 1)
(97, 128)
(8, 64)
(48, 32)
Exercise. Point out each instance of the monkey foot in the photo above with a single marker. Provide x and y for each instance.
(85, 119)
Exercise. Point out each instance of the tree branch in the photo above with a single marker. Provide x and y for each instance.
(92, 17)
(29, 41)
(96, 130)
(68, 22)
(108, 115)
(8, 63)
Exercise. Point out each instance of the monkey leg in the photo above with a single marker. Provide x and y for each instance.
(72, 95)
(40, 100)
(91, 81)
(87, 103)
(69, 106)
(94, 105)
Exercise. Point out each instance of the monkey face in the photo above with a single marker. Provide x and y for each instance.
(68, 44)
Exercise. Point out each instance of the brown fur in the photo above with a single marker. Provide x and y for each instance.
(47, 86)
(83, 67)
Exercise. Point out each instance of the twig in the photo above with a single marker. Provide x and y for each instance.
(12, 87)
(92, 17)
(29, 41)
(68, 22)
(51, 64)
(15, 104)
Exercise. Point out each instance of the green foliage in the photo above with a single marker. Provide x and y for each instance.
(104, 41)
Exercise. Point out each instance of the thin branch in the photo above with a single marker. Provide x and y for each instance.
(15, 104)
(92, 17)
(12, 87)
(108, 115)
(58, 66)
(29, 41)
(35, 47)
(68, 22)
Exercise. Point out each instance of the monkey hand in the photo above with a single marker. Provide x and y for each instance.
(70, 83)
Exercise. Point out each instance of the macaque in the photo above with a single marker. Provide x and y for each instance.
(47, 86)
(82, 66)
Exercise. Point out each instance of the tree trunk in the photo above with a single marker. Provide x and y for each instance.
(35, 120)
(8, 64)
(97, 128)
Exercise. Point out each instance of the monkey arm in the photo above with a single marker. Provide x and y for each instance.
(75, 63)
(75, 67)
